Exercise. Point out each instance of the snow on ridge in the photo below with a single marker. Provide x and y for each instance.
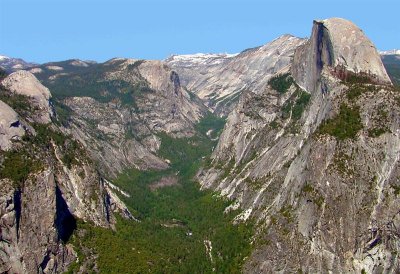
(390, 52)
(3, 57)
(196, 59)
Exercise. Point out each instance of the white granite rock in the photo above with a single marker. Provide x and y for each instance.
(10, 127)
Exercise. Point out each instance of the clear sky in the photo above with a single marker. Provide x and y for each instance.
(50, 30)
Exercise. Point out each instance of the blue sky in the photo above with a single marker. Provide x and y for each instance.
(50, 30)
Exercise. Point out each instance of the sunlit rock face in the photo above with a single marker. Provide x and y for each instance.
(339, 44)
(10, 126)
(39, 211)
(26, 84)
(322, 203)
(220, 79)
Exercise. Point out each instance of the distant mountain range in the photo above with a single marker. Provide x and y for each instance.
(10, 64)
(297, 143)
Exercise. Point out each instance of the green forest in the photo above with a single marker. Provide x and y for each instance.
(175, 222)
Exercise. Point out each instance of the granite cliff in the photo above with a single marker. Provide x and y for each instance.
(47, 183)
(314, 159)
(219, 80)
(309, 154)
(118, 108)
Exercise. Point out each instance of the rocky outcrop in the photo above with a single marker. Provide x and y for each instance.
(169, 107)
(25, 83)
(114, 203)
(220, 79)
(123, 107)
(10, 126)
(9, 207)
(31, 237)
(323, 200)
(61, 184)
(105, 129)
(340, 45)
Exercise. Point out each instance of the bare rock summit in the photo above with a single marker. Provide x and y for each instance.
(340, 45)
(25, 83)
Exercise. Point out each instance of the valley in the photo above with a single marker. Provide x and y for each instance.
(174, 222)
(283, 158)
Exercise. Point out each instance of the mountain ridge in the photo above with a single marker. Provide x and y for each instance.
(287, 157)
(308, 158)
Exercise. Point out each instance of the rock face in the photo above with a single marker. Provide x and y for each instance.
(26, 84)
(310, 150)
(121, 108)
(114, 150)
(316, 164)
(220, 79)
(10, 126)
(351, 49)
(340, 44)
(30, 237)
(167, 107)
(38, 218)
(60, 184)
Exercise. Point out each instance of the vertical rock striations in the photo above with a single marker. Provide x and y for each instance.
(47, 182)
(220, 79)
(343, 47)
(314, 160)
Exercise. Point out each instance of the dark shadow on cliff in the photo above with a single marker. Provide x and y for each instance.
(65, 222)
(17, 208)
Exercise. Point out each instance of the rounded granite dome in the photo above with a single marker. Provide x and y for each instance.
(352, 49)
(25, 83)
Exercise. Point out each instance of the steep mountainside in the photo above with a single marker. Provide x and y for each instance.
(128, 121)
(101, 164)
(117, 109)
(13, 64)
(314, 159)
(47, 181)
(220, 79)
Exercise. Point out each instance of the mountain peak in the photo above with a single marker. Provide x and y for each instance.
(338, 44)
(13, 64)
(3, 57)
(352, 49)
(25, 83)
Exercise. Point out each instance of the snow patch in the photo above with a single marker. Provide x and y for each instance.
(2, 57)
(390, 52)
(79, 63)
(191, 60)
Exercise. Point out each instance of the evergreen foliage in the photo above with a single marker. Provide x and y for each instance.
(175, 221)
(345, 125)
